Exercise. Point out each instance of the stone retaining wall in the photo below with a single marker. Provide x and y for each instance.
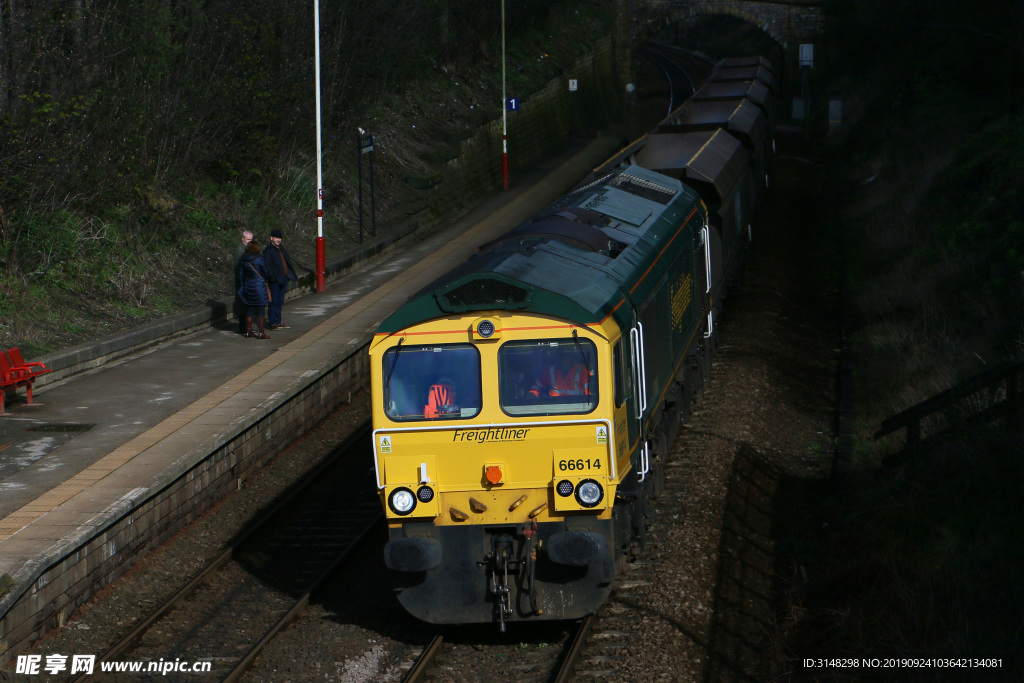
(787, 21)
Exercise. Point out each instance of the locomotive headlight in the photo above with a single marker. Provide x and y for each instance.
(589, 493)
(486, 328)
(402, 501)
(564, 488)
(425, 494)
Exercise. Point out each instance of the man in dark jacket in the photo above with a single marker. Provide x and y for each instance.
(279, 272)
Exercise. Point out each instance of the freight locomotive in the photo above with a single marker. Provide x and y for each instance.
(524, 403)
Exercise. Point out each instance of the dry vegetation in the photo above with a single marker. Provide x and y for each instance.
(921, 560)
(140, 139)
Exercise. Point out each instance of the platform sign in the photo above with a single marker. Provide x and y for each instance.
(365, 143)
(574, 85)
(806, 56)
(513, 103)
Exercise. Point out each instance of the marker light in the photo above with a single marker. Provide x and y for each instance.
(564, 488)
(485, 329)
(401, 501)
(425, 494)
(493, 474)
(589, 493)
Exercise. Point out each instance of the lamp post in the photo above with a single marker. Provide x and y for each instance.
(321, 259)
(504, 106)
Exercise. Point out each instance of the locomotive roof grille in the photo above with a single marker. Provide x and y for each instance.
(565, 200)
(483, 293)
(643, 188)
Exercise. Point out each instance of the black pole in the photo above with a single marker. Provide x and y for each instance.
(805, 95)
(359, 181)
(373, 204)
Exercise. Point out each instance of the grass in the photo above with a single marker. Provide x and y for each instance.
(151, 228)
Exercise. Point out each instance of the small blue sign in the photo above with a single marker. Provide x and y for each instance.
(512, 103)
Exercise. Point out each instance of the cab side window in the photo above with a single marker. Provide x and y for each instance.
(623, 373)
(620, 382)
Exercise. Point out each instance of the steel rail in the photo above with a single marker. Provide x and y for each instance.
(660, 60)
(562, 673)
(135, 634)
(573, 651)
(300, 605)
(655, 53)
(672, 57)
(422, 664)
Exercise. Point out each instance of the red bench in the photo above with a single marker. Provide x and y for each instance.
(16, 373)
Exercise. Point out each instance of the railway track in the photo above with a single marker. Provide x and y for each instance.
(594, 648)
(684, 71)
(597, 647)
(543, 662)
(615, 626)
(229, 611)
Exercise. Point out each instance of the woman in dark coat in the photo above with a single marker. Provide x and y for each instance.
(252, 273)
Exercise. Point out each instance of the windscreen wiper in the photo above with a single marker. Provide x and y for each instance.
(398, 350)
(586, 361)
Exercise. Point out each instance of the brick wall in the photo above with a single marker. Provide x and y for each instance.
(786, 22)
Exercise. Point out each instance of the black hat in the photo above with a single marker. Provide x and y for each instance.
(276, 233)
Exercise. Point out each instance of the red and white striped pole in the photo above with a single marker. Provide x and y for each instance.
(321, 258)
(504, 106)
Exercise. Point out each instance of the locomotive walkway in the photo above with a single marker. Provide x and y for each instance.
(114, 460)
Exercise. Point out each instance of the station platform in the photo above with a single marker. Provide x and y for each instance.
(114, 460)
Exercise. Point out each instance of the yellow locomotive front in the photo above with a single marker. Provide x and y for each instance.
(520, 399)
(499, 438)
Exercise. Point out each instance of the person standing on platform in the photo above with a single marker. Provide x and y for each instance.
(280, 272)
(239, 307)
(255, 290)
